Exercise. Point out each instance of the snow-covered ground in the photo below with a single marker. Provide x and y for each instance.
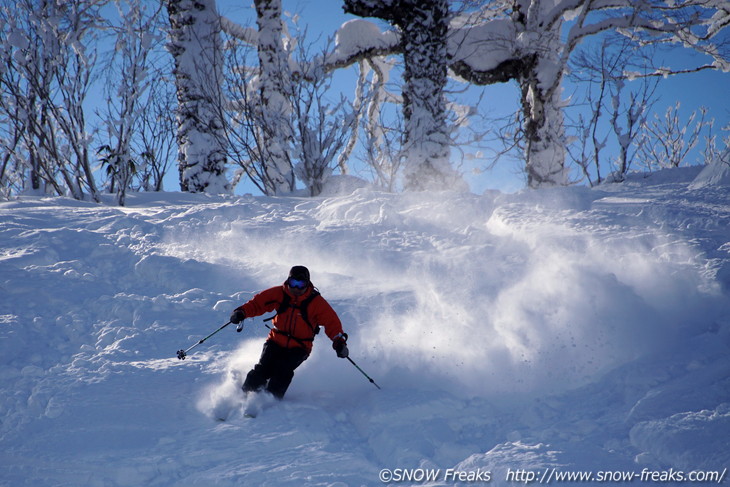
(514, 336)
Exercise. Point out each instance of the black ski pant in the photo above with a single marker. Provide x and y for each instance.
(275, 369)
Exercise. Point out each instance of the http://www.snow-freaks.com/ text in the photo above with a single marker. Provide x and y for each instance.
(549, 475)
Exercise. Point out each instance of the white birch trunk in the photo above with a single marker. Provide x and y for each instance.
(195, 45)
(424, 27)
(275, 93)
(540, 83)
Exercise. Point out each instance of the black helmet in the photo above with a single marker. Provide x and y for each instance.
(300, 273)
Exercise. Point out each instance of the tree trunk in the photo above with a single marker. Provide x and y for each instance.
(275, 93)
(543, 129)
(195, 46)
(540, 85)
(424, 26)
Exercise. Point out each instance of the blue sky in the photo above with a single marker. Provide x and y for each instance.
(708, 88)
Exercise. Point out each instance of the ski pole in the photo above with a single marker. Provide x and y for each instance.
(181, 354)
(363, 373)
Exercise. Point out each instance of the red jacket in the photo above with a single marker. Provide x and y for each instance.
(293, 331)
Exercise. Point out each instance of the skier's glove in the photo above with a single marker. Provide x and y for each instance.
(238, 316)
(340, 345)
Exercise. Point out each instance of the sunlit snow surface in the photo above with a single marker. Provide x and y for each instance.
(581, 329)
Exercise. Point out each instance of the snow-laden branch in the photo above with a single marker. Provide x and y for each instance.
(568, 10)
(665, 72)
(357, 40)
(247, 35)
(483, 47)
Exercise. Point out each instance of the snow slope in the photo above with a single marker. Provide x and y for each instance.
(571, 329)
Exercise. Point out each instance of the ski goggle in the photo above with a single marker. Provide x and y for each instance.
(297, 283)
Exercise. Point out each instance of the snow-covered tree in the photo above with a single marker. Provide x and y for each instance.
(241, 113)
(48, 63)
(126, 94)
(384, 137)
(616, 108)
(423, 27)
(361, 42)
(195, 45)
(156, 142)
(248, 127)
(531, 41)
(275, 88)
(280, 124)
(322, 128)
(667, 140)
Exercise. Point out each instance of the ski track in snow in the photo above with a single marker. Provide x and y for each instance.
(582, 329)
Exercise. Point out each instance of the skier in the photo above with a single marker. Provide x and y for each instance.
(301, 310)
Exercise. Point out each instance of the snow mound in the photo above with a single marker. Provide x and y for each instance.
(342, 184)
(715, 174)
